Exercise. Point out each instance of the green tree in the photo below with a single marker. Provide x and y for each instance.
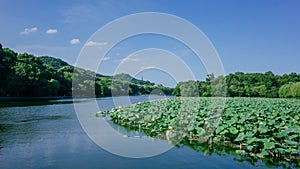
(290, 90)
(30, 71)
(189, 89)
(176, 91)
(218, 86)
(259, 91)
(285, 91)
(295, 90)
(7, 60)
(54, 86)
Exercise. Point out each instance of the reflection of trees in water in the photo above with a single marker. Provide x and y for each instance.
(3, 129)
(210, 149)
(18, 130)
(12, 102)
(15, 129)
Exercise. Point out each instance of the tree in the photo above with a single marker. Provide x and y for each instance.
(189, 89)
(295, 90)
(54, 86)
(259, 91)
(7, 60)
(30, 71)
(285, 91)
(176, 91)
(290, 90)
(218, 86)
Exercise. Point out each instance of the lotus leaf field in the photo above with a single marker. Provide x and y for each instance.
(258, 127)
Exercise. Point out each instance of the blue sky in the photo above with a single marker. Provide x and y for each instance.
(250, 36)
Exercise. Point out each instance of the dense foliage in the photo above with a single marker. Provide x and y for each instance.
(290, 90)
(243, 85)
(28, 75)
(256, 126)
(23, 75)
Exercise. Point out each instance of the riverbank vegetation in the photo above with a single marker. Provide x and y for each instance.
(241, 84)
(259, 127)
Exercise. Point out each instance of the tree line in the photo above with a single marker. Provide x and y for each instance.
(241, 84)
(23, 75)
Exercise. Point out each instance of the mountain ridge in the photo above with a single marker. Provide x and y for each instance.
(27, 75)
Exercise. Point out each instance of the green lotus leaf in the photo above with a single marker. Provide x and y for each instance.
(269, 145)
(262, 129)
(233, 130)
(264, 152)
(251, 140)
(250, 148)
(240, 137)
(200, 131)
(292, 143)
(241, 152)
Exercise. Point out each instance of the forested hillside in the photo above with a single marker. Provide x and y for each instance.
(23, 75)
(27, 75)
(243, 85)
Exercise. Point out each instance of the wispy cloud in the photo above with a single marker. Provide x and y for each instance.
(149, 67)
(29, 30)
(131, 59)
(74, 41)
(117, 60)
(105, 58)
(93, 43)
(51, 31)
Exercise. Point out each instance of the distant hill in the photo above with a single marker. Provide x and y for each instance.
(128, 78)
(26, 75)
(55, 63)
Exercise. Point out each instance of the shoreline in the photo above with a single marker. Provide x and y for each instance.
(33, 101)
(8, 99)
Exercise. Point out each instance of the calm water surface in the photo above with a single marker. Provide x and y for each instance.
(50, 136)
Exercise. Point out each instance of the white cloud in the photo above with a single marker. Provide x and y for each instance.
(117, 60)
(51, 31)
(149, 67)
(74, 41)
(131, 59)
(93, 43)
(29, 30)
(105, 58)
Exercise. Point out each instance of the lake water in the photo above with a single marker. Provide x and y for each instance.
(50, 136)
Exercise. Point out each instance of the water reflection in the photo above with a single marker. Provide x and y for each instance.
(50, 136)
(37, 102)
(221, 150)
(214, 149)
(37, 136)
